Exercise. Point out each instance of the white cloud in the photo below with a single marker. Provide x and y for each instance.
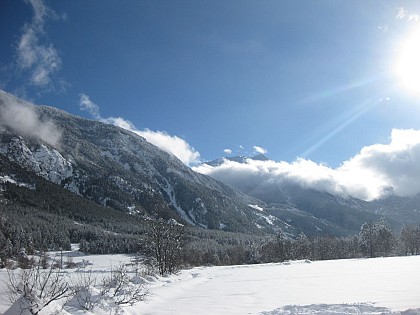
(22, 118)
(383, 28)
(168, 143)
(401, 13)
(34, 54)
(404, 14)
(171, 144)
(227, 151)
(87, 105)
(259, 149)
(120, 122)
(377, 170)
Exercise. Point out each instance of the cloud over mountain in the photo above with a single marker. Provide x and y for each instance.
(171, 144)
(377, 170)
(23, 119)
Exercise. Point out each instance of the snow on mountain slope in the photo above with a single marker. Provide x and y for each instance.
(10, 179)
(320, 212)
(43, 160)
(117, 168)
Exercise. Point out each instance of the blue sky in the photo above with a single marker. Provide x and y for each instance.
(310, 79)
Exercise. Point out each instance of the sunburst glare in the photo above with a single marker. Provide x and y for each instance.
(408, 65)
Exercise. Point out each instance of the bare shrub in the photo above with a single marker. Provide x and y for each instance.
(37, 287)
(165, 243)
(83, 286)
(119, 286)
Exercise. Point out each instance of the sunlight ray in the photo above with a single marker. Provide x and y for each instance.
(339, 89)
(340, 122)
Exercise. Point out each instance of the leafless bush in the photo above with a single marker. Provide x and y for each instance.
(144, 265)
(38, 287)
(35, 288)
(83, 286)
(118, 285)
(165, 243)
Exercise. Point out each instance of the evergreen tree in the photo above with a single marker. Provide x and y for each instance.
(367, 238)
(410, 237)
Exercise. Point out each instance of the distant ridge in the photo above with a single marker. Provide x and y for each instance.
(238, 159)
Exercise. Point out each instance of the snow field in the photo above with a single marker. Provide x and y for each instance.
(356, 286)
(392, 283)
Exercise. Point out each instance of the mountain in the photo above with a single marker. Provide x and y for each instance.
(116, 168)
(237, 158)
(402, 209)
(120, 170)
(316, 212)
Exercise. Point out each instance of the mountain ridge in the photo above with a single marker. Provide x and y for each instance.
(117, 168)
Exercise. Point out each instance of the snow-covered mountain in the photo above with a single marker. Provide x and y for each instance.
(319, 212)
(119, 169)
(402, 209)
(237, 158)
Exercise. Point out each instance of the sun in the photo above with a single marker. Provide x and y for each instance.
(407, 67)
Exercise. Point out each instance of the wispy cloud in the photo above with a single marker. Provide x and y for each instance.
(36, 57)
(23, 118)
(169, 143)
(259, 149)
(87, 105)
(404, 14)
(227, 151)
(383, 28)
(377, 170)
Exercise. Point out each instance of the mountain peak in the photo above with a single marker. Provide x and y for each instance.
(237, 158)
(259, 157)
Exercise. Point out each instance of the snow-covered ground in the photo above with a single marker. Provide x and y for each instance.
(392, 283)
(357, 286)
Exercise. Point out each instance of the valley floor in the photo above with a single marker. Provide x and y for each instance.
(357, 286)
(363, 286)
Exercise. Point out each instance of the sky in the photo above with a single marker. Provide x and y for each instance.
(328, 90)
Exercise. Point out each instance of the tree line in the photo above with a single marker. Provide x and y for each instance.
(31, 220)
(374, 239)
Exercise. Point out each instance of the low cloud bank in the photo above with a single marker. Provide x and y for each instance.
(168, 143)
(378, 170)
